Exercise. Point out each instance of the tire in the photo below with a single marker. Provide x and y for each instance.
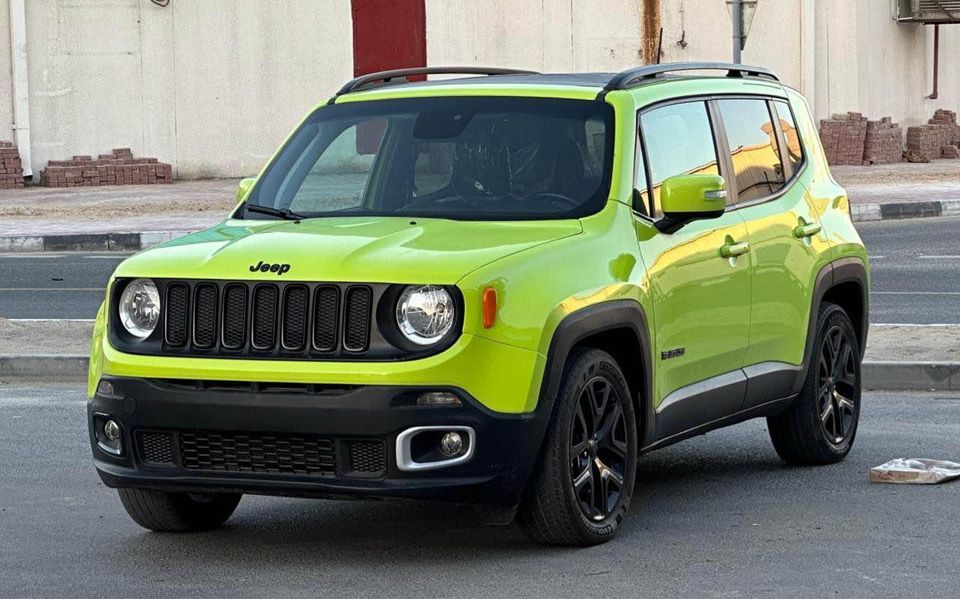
(821, 424)
(160, 511)
(552, 512)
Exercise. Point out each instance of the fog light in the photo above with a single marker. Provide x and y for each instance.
(111, 430)
(451, 444)
(438, 398)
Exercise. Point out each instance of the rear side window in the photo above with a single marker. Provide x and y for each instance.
(791, 136)
(678, 140)
(754, 149)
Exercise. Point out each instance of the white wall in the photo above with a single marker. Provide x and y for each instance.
(212, 86)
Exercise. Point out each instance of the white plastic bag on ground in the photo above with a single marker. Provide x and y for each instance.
(917, 471)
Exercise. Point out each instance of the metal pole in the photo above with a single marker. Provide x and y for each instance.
(737, 15)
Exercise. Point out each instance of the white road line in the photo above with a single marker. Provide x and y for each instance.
(910, 324)
(915, 293)
(52, 289)
(948, 257)
(50, 319)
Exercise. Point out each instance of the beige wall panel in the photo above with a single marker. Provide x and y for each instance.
(246, 72)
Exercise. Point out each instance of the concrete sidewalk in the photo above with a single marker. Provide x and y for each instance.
(134, 217)
(897, 357)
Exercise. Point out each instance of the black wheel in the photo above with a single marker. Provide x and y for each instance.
(584, 481)
(160, 511)
(820, 426)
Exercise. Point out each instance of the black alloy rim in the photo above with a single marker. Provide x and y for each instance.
(598, 449)
(837, 386)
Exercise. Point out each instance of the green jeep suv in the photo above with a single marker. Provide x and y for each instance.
(499, 289)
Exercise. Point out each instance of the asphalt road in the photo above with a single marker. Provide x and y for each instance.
(713, 516)
(915, 265)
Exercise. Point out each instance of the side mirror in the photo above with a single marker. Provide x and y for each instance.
(686, 198)
(244, 188)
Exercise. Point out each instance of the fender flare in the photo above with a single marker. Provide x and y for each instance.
(599, 318)
(834, 273)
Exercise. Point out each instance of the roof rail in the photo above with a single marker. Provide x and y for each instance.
(638, 75)
(363, 81)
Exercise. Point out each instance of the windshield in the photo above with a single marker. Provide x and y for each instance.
(458, 158)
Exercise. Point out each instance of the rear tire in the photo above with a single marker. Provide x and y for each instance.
(584, 481)
(821, 424)
(161, 511)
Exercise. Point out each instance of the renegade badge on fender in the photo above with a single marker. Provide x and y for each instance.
(505, 288)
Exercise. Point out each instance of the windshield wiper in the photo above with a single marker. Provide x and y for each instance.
(283, 213)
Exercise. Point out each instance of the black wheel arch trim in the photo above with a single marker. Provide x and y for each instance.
(614, 315)
(843, 270)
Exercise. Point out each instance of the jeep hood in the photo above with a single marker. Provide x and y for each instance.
(350, 249)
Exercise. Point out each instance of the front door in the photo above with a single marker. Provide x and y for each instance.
(784, 235)
(701, 298)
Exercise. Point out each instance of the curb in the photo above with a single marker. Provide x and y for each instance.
(88, 242)
(43, 367)
(907, 376)
(895, 211)
(132, 242)
(912, 376)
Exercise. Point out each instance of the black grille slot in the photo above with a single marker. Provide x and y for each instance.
(205, 316)
(367, 458)
(295, 302)
(264, 335)
(356, 328)
(156, 448)
(273, 319)
(258, 452)
(326, 310)
(177, 307)
(234, 317)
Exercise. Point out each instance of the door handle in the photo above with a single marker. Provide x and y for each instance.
(732, 250)
(807, 230)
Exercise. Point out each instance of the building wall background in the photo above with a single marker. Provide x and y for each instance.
(213, 86)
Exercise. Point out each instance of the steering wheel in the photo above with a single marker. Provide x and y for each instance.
(557, 199)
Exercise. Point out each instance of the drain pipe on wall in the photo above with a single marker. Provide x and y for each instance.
(21, 95)
(936, 63)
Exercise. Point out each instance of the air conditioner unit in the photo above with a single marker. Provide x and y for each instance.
(928, 12)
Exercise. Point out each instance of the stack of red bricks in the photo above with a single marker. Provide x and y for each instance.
(117, 168)
(883, 143)
(843, 137)
(11, 168)
(939, 138)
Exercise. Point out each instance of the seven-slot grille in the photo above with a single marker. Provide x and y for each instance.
(264, 318)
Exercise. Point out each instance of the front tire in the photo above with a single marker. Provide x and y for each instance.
(821, 424)
(160, 511)
(582, 488)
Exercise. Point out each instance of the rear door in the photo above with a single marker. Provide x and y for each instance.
(701, 300)
(767, 159)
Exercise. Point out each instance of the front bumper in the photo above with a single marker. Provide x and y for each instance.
(258, 429)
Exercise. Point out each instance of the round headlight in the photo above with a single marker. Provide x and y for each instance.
(425, 314)
(140, 308)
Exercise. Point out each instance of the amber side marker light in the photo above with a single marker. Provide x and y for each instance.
(489, 307)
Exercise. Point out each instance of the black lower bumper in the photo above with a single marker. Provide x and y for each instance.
(302, 440)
